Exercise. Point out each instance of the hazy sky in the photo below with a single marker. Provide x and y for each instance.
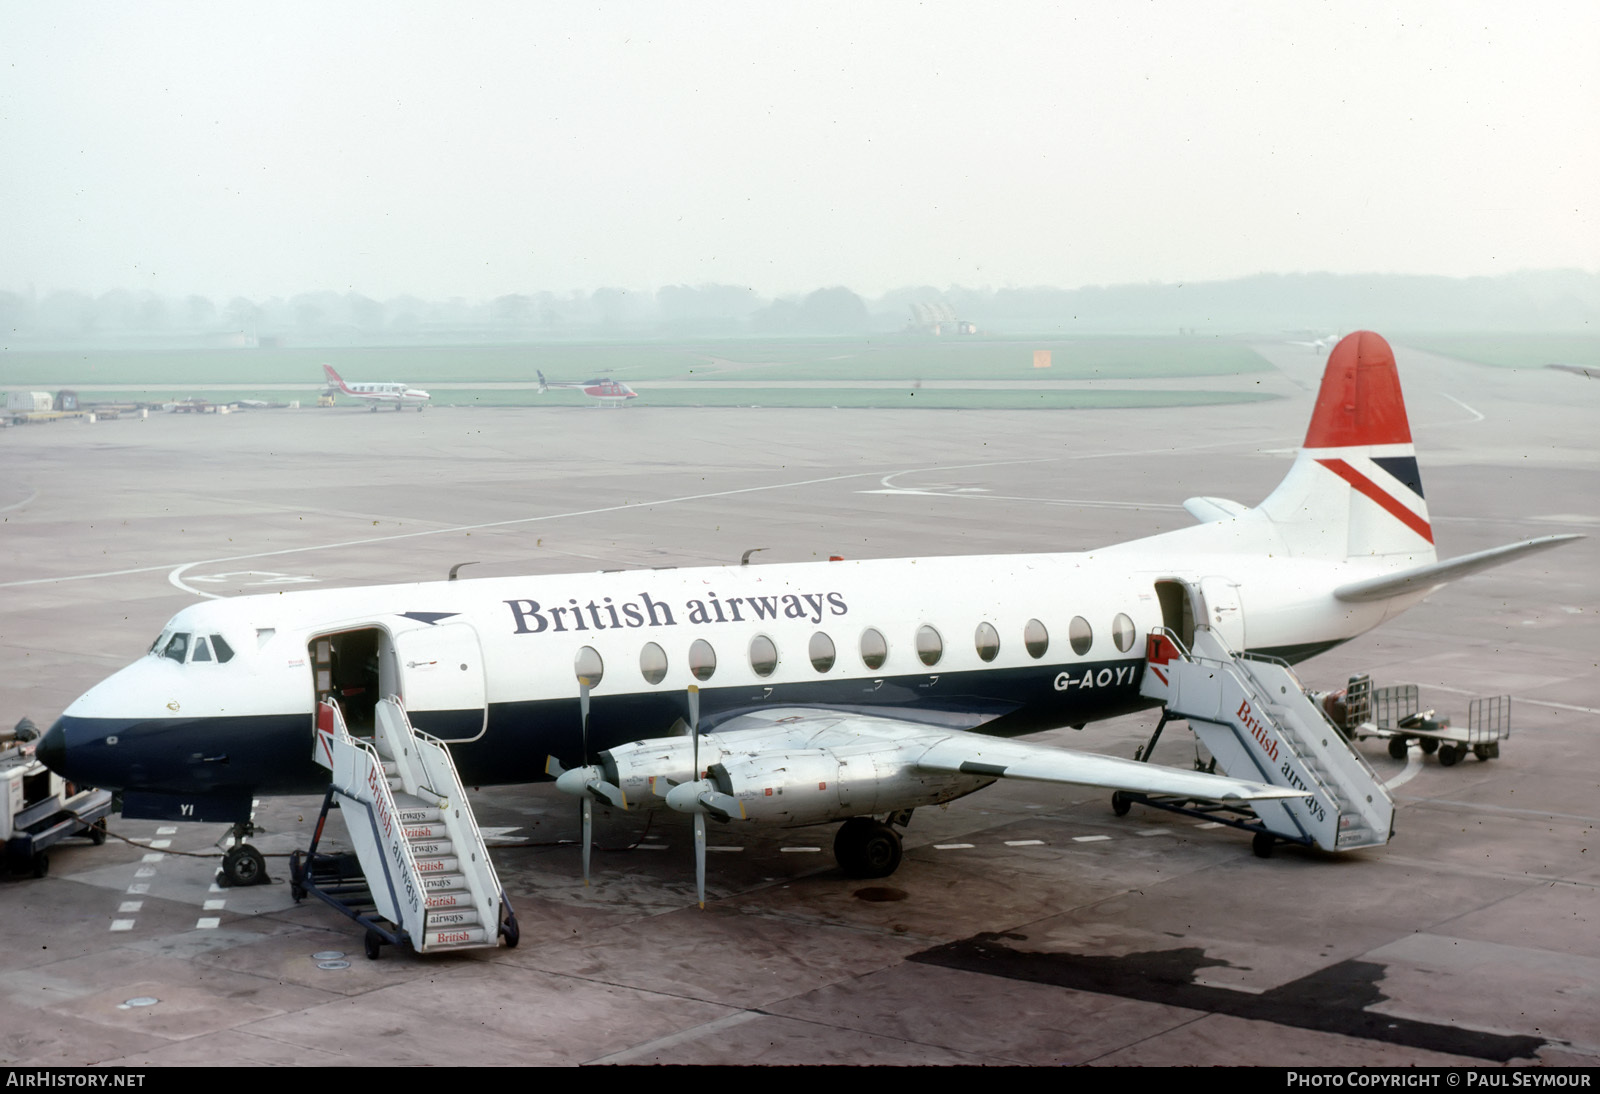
(481, 148)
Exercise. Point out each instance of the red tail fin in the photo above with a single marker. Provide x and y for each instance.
(1360, 401)
(333, 377)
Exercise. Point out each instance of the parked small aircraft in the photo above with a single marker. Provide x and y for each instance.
(831, 691)
(380, 394)
(608, 392)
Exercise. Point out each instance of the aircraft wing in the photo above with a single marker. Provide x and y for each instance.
(970, 754)
(939, 750)
(1430, 577)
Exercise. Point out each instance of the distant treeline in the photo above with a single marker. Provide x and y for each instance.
(1311, 303)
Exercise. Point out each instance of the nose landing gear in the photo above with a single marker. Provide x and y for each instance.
(242, 865)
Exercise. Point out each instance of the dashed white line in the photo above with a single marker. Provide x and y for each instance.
(1089, 839)
(800, 850)
(122, 924)
(1024, 843)
(214, 905)
(207, 923)
(952, 847)
(129, 906)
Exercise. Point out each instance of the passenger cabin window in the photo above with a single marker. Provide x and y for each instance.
(589, 667)
(763, 655)
(702, 659)
(930, 647)
(821, 652)
(874, 650)
(1035, 639)
(1080, 634)
(653, 663)
(1123, 632)
(987, 639)
(177, 647)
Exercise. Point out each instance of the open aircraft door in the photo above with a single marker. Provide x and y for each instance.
(442, 681)
(1224, 610)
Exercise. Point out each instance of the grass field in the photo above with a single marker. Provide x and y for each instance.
(888, 358)
(1515, 350)
(842, 398)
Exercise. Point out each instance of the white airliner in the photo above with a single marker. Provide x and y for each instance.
(848, 691)
(380, 394)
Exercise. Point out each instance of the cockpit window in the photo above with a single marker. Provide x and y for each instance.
(177, 647)
(224, 651)
(202, 649)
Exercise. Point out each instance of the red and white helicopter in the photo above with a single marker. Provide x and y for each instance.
(606, 391)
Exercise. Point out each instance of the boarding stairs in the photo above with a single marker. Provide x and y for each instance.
(1254, 716)
(426, 877)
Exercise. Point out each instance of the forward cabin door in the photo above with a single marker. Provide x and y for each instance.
(442, 680)
(1224, 610)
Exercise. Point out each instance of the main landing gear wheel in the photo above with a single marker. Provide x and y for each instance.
(865, 848)
(242, 866)
(1398, 747)
(1263, 844)
(1120, 804)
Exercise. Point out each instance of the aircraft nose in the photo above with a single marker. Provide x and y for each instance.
(52, 747)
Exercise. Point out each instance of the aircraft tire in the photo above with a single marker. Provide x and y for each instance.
(1398, 747)
(865, 848)
(242, 866)
(1448, 755)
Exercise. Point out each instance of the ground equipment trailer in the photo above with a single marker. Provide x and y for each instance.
(38, 808)
(1395, 714)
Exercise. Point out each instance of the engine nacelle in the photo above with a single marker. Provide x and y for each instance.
(811, 786)
(634, 766)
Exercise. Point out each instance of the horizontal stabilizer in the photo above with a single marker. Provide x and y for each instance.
(1206, 510)
(1424, 578)
(969, 755)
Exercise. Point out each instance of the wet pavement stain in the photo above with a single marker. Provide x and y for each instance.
(1331, 1000)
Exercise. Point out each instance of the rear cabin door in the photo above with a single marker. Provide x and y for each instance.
(442, 680)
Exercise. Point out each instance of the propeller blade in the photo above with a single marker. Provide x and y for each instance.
(722, 806)
(553, 768)
(588, 834)
(583, 714)
(694, 724)
(700, 857)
